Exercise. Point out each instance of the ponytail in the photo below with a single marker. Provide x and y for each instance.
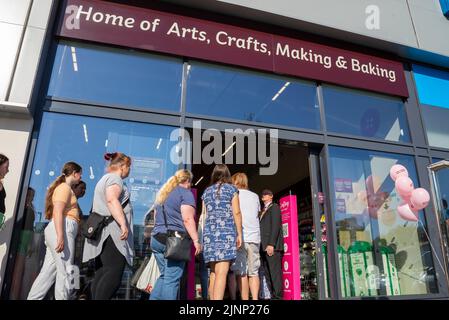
(180, 176)
(67, 170)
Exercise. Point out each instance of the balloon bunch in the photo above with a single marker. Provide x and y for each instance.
(413, 199)
(372, 196)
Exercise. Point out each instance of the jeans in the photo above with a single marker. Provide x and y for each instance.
(167, 286)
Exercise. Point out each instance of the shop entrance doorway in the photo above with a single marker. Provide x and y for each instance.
(292, 177)
(439, 177)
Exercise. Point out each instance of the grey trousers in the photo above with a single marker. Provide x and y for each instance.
(57, 267)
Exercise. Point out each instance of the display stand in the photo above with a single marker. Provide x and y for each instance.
(290, 261)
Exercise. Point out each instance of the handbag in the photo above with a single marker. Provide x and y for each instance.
(178, 244)
(139, 271)
(95, 223)
(149, 275)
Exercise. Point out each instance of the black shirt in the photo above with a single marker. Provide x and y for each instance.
(2, 200)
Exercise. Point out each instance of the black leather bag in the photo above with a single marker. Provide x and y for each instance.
(96, 222)
(178, 245)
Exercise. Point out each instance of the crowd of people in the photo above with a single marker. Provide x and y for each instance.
(235, 235)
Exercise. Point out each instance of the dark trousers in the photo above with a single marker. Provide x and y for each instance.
(108, 276)
(272, 267)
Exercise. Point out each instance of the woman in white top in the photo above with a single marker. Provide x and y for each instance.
(246, 265)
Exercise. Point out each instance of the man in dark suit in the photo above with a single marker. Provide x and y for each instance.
(272, 244)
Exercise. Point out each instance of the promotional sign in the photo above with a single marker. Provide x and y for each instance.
(290, 261)
(343, 185)
(146, 29)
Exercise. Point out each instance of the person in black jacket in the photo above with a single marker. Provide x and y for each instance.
(272, 244)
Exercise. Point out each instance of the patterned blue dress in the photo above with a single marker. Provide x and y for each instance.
(219, 234)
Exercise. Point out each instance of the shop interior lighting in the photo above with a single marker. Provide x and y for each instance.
(280, 91)
(159, 144)
(74, 59)
(229, 148)
(199, 180)
(86, 138)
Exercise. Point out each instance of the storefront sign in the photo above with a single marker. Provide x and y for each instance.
(343, 185)
(290, 261)
(146, 29)
(341, 205)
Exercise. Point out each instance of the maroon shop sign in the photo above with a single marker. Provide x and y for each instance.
(152, 30)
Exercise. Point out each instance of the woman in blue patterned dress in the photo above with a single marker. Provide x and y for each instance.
(222, 234)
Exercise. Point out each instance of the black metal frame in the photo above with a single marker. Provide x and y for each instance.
(318, 158)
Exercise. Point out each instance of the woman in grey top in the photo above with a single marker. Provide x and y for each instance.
(115, 247)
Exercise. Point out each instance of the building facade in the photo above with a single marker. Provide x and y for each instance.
(361, 87)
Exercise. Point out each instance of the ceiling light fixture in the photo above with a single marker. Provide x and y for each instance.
(74, 59)
(85, 133)
(199, 180)
(280, 91)
(159, 144)
(229, 148)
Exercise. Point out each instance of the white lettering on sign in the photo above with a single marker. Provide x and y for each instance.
(248, 43)
(373, 69)
(285, 205)
(146, 25)
(303, 55)
(183, 32)
(111, 19)
(253, 42)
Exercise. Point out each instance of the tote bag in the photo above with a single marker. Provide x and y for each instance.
(149, 276)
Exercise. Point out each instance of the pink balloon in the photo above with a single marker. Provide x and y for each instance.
(406, 198)
(397, 171)
(406, 213)
(420, 198)
(404, 186)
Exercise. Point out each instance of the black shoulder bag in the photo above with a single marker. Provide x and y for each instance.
(96, 222)
(178, 244)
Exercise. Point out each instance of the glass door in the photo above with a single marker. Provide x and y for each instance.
(85, 140)
(439, 177)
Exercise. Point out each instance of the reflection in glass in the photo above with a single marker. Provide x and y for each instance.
(432, 86)
(441, 187)
(365, 114)
(116, 76)
(379, 253)
(250, 96)
(437, 125)
(85, 140)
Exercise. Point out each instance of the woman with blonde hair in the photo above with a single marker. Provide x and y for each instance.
(247, 263)
(115, 246)
(61, 208)
(174, 208)
(222, 234)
